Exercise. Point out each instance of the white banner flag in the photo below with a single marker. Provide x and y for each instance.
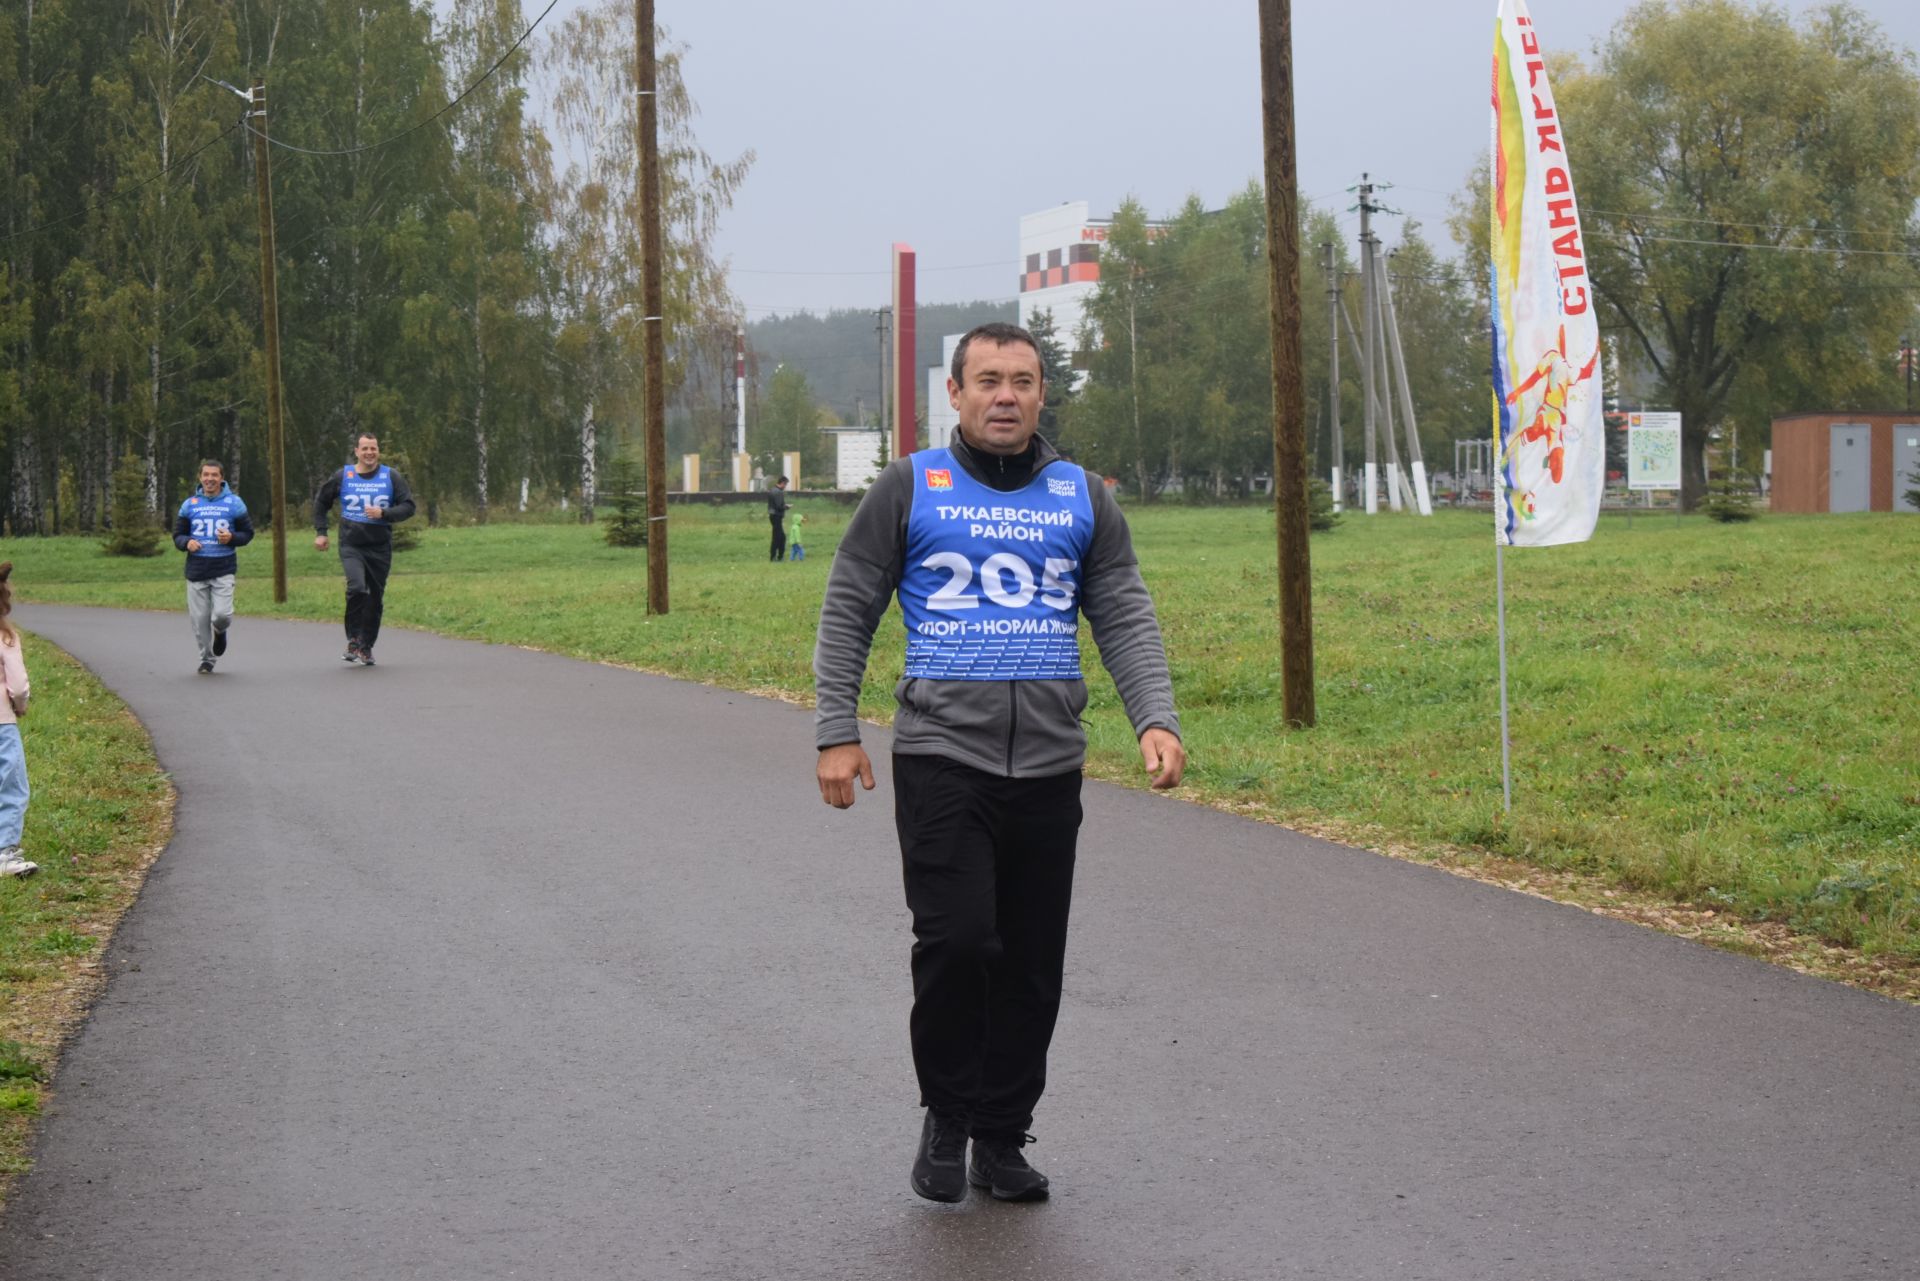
(1550, 452)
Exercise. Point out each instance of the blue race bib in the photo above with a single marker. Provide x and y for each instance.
(208, 517)
(991, 589)
(357, 493)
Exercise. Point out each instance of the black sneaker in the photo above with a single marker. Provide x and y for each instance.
(206, 667)
(220, 642)
(998, 1166)
(940, 1168)
(353, 654)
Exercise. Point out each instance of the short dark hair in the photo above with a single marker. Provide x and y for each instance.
(1000, 334)
(213, 463)
(781, 481)
(359, 436)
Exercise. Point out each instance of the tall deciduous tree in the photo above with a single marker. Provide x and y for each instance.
(1749, 189)
(790, 421)
(587, 71)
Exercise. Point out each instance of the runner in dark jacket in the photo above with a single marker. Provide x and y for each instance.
(372, 498)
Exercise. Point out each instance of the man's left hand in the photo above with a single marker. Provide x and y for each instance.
(375, 513)
(225, 535)
(1165, 758)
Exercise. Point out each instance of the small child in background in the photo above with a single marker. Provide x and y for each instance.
(799, 523)
(14, 690)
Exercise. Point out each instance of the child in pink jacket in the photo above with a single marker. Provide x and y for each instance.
(13, 759)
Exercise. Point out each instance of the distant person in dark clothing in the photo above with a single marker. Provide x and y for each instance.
(777, 513)
(211, 525)
(372, 496)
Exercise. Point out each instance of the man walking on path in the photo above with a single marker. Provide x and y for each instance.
(777, 513)
(211, 525)
(995, 545)
(372, 497)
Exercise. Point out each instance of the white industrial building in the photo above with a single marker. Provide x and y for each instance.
(1060, 266)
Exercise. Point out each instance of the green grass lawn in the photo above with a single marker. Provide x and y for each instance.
(99, 814)
(1722, 715)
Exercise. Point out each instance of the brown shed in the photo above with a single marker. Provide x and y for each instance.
(1845, 462)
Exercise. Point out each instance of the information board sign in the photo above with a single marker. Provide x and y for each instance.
(1653, 451)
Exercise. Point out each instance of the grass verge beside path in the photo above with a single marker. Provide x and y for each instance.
(1712, 724)
(101, 812)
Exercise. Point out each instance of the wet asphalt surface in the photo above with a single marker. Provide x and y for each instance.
(486, 963)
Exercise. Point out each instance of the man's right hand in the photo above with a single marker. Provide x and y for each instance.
(838, 767)
(320, 543)
(193, 544)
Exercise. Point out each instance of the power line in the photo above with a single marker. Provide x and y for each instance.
(485, 76)
(1004, 263)
(118, 195)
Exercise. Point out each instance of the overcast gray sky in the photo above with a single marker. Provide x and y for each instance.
(940, 124)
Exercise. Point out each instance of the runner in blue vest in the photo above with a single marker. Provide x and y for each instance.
(372, 496)
(995, 545)
(211, 525)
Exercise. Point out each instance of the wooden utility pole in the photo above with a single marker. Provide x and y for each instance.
(270, 321)
(1289, 394)
(652, 263)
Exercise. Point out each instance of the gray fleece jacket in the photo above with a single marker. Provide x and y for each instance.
(1015, 729)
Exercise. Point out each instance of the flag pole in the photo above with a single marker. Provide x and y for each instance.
(1500, 609)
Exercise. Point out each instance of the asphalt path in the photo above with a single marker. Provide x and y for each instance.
(487, 963)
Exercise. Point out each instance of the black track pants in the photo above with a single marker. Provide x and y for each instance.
(779, 550)
(367, 569)
(988, 863)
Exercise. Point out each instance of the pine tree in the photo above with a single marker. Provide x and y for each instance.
(1320, 513)
(1730, 500)
(627, 527)
(1056, 371)
(134, 532)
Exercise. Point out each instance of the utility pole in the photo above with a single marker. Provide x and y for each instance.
(1374, 374)
(1378, 328)
(740, 387)
(1370, 404)
(1289, 395)
(652, 263)
(1333, 365)
(1906, 360)
(270, 321)
(880, 330)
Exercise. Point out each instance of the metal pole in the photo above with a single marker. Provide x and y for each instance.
(270, 322)
(1500, 609)
(652, 264)
(740, 389)
(1289, 395)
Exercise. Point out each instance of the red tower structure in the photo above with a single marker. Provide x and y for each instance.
(906, 374)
